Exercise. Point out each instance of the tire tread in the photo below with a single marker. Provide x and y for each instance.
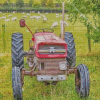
(85, 81)
(17, 50)
(16, 83)
(71, 52)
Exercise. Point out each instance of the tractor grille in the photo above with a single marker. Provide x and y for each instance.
(51, 63)
(51, 49)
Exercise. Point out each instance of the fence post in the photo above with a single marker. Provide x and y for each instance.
(62, 22)
(3, 36)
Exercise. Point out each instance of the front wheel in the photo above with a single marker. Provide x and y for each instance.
(16, 83)
(82, 81)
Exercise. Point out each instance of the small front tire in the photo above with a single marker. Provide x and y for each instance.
(16, 83)
(82, 81)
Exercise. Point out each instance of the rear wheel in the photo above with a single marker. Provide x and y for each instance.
(71, 52)
(17, 50)
(82, 81)
(16, 83)
(17, 64)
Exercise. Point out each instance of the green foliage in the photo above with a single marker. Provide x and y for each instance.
(9, 1)
(96, 35)
(6, 4)
(28, 9)
(50, 3)
(30, 3)
(60, 0)
(43, 3)
(20, 3)
(36, 4)
(79, 9)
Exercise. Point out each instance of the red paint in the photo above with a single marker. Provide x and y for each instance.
(48, 38)
(22, 23)
(33, 39)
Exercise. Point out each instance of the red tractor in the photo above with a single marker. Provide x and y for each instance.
(50, 59)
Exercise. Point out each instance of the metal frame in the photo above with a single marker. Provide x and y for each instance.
(32, 73)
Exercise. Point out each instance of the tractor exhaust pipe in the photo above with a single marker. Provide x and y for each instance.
(23, 24)
(62, 22)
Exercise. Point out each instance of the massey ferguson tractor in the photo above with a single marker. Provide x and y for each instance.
(51, 59)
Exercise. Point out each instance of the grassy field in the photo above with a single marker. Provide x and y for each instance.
(34, 90)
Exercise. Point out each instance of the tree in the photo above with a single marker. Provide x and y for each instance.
(30, 3)
(84, 8)
(43, 3)
(6, 3)
(36, 4)
(80, 9)
(9, 1)
(50, 3)
(96, 17)
(20, 3)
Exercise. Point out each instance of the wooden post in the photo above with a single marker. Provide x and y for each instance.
(89, 40)
(3, 35)
(62, 22)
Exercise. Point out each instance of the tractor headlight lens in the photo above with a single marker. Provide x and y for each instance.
(63, 65)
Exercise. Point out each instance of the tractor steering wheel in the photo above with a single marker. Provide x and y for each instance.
(44, 30)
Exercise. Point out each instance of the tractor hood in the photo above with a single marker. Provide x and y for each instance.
(47, 45)
(47, 38)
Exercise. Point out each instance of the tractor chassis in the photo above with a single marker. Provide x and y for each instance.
(31, 71)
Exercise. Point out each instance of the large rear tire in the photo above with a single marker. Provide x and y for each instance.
(82, 81)
(17, 50)
(16, 83)
(71, 52)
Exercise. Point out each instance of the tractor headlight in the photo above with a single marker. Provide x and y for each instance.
(63, 65)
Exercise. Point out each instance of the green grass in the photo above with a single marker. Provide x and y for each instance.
(34, 90)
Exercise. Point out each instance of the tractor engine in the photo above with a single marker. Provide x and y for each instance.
(49, 57)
